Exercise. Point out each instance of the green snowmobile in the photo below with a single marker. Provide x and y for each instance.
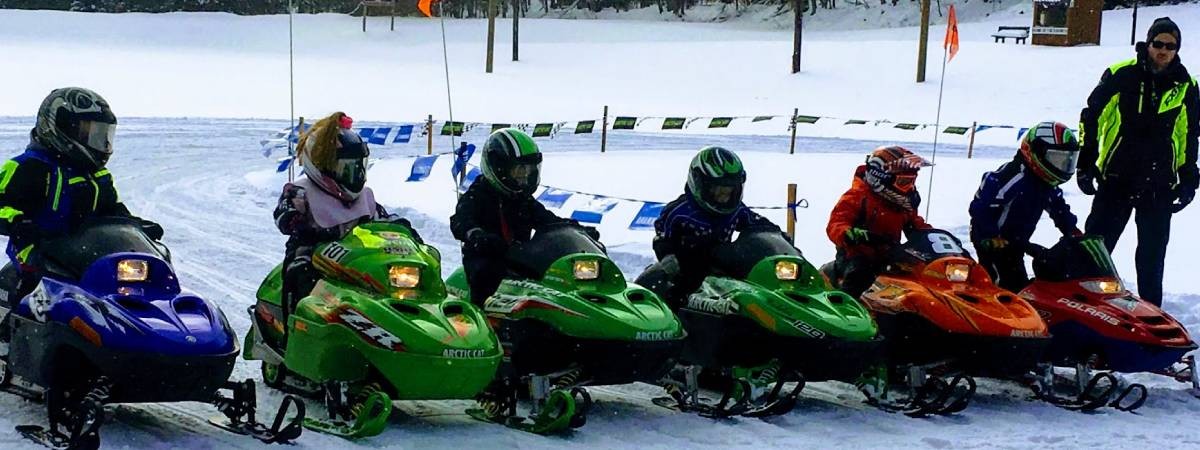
(765, 318)
(568, 319)
(377, 327)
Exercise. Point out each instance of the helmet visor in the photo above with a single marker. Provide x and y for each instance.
(905, 182)
(1063, 161)
(523, 175)
(723, 197)
(96, 136)
(351, 173)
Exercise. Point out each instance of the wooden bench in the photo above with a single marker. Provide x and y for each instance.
(1019, 34)
(367, 4)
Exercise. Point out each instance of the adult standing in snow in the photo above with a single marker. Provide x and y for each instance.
(1139, 135)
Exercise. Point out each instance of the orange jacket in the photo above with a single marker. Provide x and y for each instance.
(860, 207)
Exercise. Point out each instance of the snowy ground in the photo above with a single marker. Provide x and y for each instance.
(206, 182)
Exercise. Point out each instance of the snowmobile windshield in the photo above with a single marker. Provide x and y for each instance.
(927, 245)
(737, 258)
(548, 245)
(1075, 259)
(72, 254)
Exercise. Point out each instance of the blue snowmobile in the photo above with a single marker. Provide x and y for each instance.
(108, 323)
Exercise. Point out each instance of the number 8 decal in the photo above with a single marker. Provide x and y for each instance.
(944, 244)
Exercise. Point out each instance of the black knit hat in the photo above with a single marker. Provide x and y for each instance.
(1164, 25)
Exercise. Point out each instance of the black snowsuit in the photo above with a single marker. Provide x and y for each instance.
(487, 222)
(1139, 136)
(689, 233)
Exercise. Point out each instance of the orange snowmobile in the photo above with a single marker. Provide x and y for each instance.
(945, 321)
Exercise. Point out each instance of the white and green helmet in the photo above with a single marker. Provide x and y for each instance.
(715, 180)
(512, 162)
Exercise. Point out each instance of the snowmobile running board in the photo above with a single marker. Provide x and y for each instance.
(558, 404)
(932, 395)
(1092, 392)
(684, 396)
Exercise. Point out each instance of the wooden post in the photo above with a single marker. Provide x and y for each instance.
(292, 166)
(797, 35)
(516, 25)
(604, 130)
(971, 142)
(491, 38)
(429, 134)
(792, 147)
(923, 50)
(393, 15)
(1133, 27)
(365, 8)
(791, 212)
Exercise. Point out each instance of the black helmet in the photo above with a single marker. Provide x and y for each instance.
(343, 176)
(715, 180)
(77, 124)
(512, 162)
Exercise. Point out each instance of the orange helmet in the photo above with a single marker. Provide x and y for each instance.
(892, 173)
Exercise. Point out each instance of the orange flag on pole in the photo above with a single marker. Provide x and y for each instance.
(951, 42)
(424, 5)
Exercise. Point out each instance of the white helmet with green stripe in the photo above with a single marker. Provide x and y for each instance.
(715, 180)
(512, 162)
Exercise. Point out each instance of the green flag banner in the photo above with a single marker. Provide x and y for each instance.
(720, 122)
(452, 127)
(624, 123)
(543, 129)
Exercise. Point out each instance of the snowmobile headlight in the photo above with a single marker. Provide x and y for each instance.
(406, 277)
(957, 273)
(1103, 286)
(132, 270)
(786, 270)
(587, 269)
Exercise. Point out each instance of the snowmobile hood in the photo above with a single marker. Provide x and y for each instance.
(384, 294)
(151, 314)
(1117, 314)
(605, 307)
(802, 307)
(957, 295)
(383, 258)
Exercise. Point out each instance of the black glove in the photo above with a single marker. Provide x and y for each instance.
(1087, 181)
(23, 233)
(592, 232)
(486, 243)
(1183, 196)
(153, 230)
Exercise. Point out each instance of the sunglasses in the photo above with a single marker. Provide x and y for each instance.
(1168, 45)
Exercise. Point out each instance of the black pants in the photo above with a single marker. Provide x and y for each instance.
(693, 269)
(856, 274)
(299, 278)
(1006, 266)
(1110, 213)
(484, 274)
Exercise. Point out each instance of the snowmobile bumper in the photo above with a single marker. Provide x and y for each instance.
(728, 341)
(60, 353)
(533, 347)
(1073, 343)
(913, 340)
